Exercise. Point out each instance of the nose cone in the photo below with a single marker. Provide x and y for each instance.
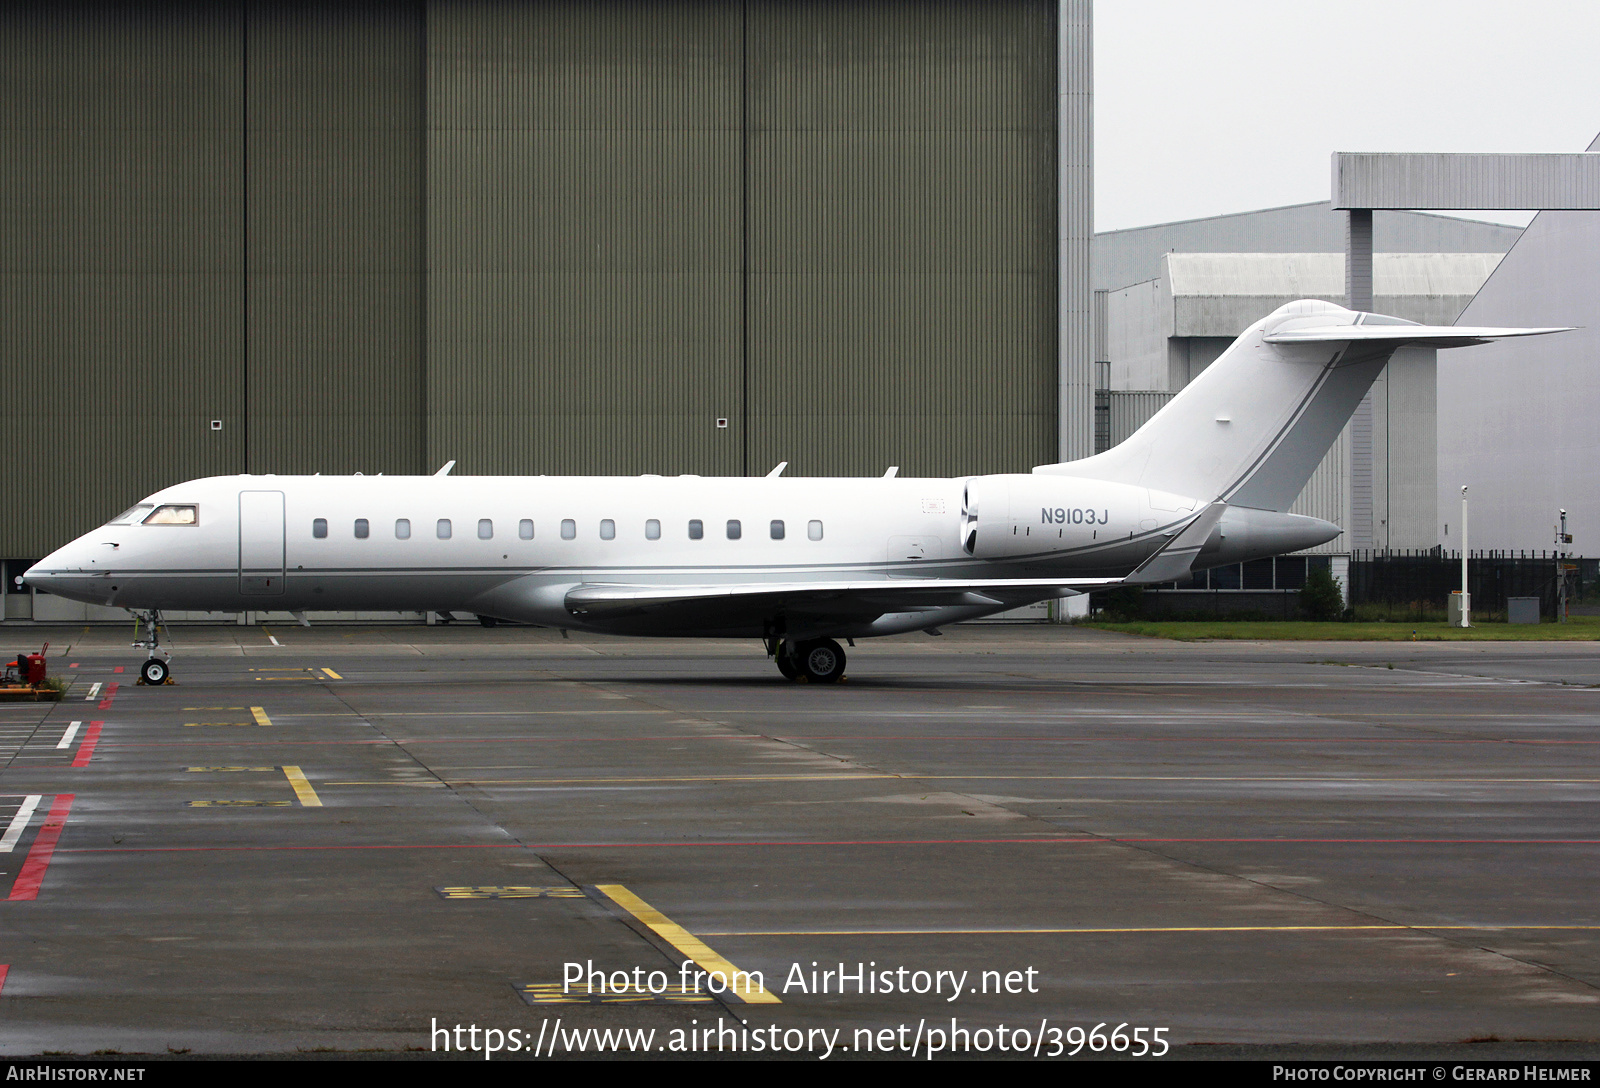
(65, 572)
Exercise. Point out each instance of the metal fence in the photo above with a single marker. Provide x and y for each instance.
(1416, 585)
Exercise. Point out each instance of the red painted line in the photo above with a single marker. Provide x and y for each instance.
(1396, 842)
(240, 743)
(826, 842)
(1352, 741)
(5, 969)
(86, 747)
(44, 844)
(73, 665)
(547, 845)
(117, 669)
(111, 693)
(867, 737)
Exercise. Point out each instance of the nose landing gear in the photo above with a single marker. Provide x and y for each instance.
(157, 668)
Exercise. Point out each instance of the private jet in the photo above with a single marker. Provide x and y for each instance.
(800, 564)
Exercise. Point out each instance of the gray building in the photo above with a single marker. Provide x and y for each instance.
(1129, 256)
(1380, 480)
(1517, 418)
(537, 237)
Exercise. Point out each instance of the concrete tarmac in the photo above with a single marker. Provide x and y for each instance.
(359, 839)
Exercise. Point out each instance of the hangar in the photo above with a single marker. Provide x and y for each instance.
(536, 237)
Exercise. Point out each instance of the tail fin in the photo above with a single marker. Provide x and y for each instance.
(1251, 429)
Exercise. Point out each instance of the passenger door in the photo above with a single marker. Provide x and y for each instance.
(261, 543)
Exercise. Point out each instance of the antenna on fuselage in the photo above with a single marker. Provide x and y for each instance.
(448, 465)
(893, 469)
(779, 470)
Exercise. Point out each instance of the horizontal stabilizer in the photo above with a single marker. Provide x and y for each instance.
(1438, 336)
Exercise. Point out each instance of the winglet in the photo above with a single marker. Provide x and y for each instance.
(448, 465)
(1177, 559)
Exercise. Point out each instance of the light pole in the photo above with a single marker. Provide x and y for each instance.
(1563, 540)
(1466, 598)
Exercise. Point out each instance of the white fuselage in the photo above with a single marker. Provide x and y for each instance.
(513, 547)
(1208, 480)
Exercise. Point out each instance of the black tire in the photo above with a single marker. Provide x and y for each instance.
(822, 661)
(786, 662)
(154, 671)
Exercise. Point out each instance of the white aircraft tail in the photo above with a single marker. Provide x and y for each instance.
(1251, 429)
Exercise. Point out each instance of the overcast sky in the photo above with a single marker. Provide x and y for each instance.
(1210, 106)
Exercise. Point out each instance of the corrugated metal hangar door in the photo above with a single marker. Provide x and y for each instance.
(535, 238)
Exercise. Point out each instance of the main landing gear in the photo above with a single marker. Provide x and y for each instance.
(157, 668)
(819, 660)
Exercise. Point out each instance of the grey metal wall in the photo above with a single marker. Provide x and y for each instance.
(1517, 417)
(549, 237)
(1553, 182)
(1132, 409)
(829, 224)
(207, 212)
(1123, 257)
(902, 237)
(584, 243)
(1075, 134)
(334, 237)
(121, 248)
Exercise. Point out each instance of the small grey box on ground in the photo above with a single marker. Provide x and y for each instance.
(1522, 610)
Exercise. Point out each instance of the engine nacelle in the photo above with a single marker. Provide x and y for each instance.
(1015, 516)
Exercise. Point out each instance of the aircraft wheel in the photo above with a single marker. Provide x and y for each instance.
(785, 662)
(154, 671)
(822, 661)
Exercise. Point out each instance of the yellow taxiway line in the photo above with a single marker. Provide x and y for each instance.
(687, 943)
(302, 788)
(1391, 927)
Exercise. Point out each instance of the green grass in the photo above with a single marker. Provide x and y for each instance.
(1577, 629)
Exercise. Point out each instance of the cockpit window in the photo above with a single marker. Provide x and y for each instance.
(132, 514)
(174, 514)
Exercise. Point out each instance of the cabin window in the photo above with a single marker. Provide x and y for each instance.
(777, 530)
(697, 529)
(608, 529)
(485, 529)
(525, 529)
(442, 529)
(569, 529)
(652, 529)
(174, 514)
(402, 529)
(319, 528)
(363, 529)
(734, 529)
(814, 530)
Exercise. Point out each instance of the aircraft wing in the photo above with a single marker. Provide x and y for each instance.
(1439, 336)
(607, 600)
